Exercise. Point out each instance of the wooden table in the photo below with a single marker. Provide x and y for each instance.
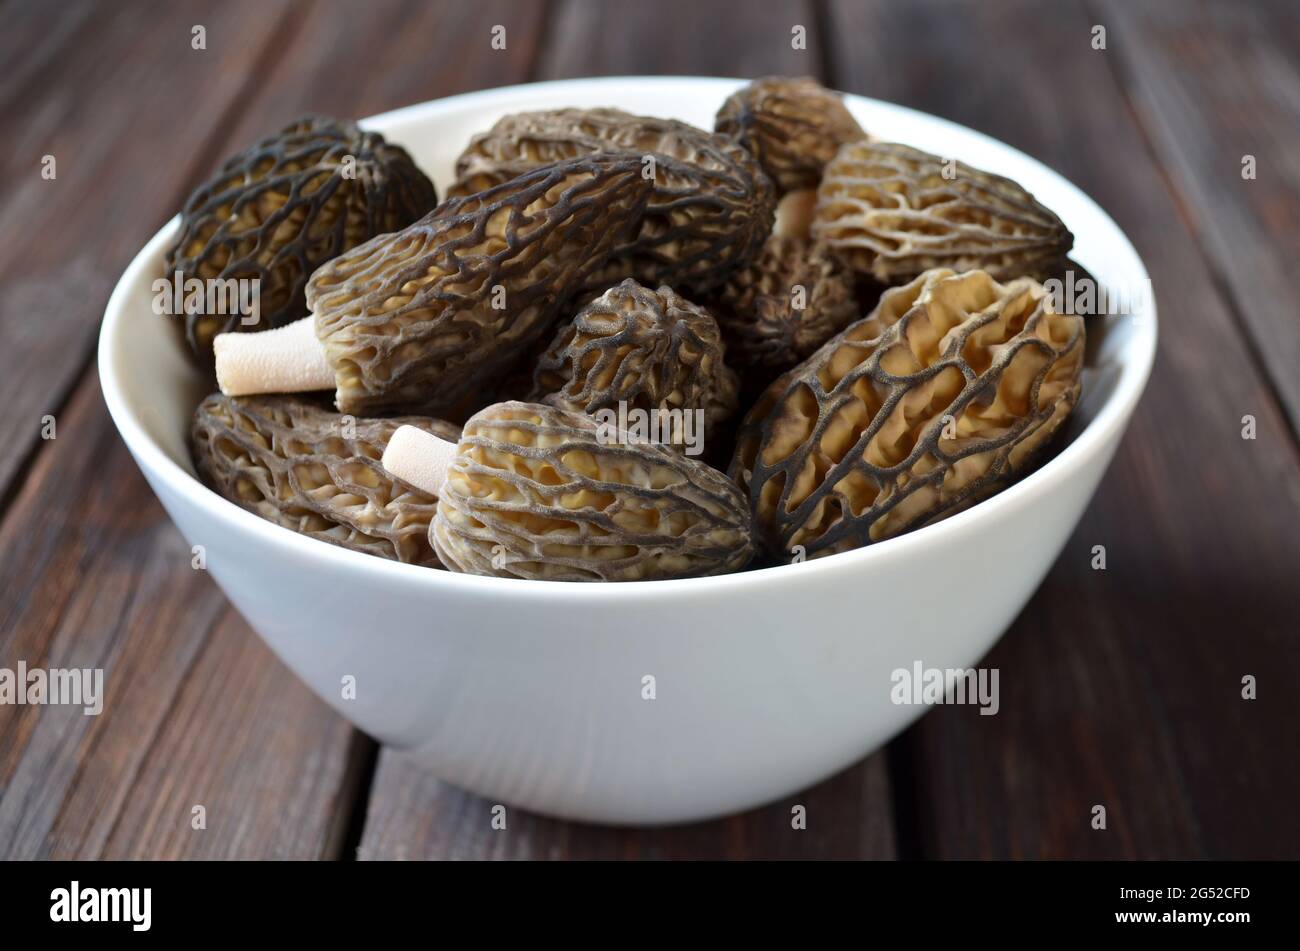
(1120, 687)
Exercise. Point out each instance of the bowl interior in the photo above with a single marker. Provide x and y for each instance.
(152, 387)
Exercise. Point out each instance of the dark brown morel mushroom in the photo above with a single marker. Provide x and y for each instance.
(420, 320)
(937, 399)
(641, 350)
(792, 126)
(784, 306)
(278, 210)
(535, 491)
(318, 473)
(892, 212)
(710, 211)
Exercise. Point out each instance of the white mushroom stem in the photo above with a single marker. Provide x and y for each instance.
(289, 359)
(419, 458)
(794, 214)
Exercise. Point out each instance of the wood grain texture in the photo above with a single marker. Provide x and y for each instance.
(352, 61)
(199, 711)
(691, 37)
(114, 93)
(414, 816)
(275, 770)
(1214, 83)
(35, 35)
(96, 577)
(1120, 687)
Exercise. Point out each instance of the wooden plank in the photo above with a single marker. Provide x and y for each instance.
(94, 577)
(414, 816)
(243, 730)
(126, 108)
(1119, 687)
(35, 34)
(1213, 84)
(198, 711)
(195, 710)
(350, 62)
(702, 37)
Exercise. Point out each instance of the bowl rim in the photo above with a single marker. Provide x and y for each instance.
(1094, 438)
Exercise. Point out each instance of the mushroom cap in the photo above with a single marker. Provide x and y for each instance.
(892, 211)
(935, 400)
(281, 208)
(792, 126)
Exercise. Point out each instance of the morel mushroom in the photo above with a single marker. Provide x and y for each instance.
(934, 401)
(315, 472)
(893, 212)
(792, 126)
(784, 306)
(708, 215)
(646, 350)
(419, 321)
(280, 209)
(533, 491)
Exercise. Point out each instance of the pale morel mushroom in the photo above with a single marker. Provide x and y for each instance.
(935, 400)
(892, 211)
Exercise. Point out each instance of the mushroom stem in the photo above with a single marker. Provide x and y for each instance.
(794, 214)
(418, 458)
(289, 359)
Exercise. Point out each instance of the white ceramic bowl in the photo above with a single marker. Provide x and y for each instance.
(531, 693)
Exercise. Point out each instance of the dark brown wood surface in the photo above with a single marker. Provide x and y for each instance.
(1217, 91)
(1121, 687)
